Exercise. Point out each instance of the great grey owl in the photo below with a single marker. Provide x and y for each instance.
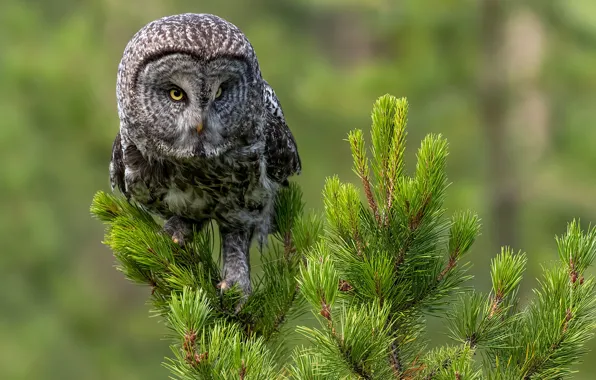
(202, 134)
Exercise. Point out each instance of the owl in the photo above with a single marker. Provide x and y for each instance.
(202, 135)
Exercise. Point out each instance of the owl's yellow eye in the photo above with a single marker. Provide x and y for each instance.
(218, 93)
(176, 94)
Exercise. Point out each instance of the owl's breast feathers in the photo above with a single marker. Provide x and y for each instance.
(227, 187)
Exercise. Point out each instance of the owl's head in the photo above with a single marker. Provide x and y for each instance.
(190, 86)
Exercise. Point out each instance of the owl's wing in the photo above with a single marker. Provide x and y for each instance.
(281, 149)
(117, 166)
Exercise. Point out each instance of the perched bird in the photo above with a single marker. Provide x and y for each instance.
(202, 135)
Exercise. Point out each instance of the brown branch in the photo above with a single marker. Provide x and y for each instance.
(325, 310)
(447, 269)
(414, 222)
(188, 345)
(242, 370)
(572, 271)
(497, 300)
(396, 365)
(359, 243)
(568, 316)
(378, 288)
(201, 357)
(453, 257)
(370, 197)
(289, 248)
(344, 286)
(389, 201)
(414, 370)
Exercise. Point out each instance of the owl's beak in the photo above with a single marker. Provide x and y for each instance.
(200, 127)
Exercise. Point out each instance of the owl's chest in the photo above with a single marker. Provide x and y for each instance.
(203, 191)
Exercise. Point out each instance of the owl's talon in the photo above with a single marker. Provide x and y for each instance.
(179, 239)
(180, 230)
(243, 287)
(225, 285)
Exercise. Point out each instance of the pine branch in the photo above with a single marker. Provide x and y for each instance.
(148, 256)
(561, 320)
(361, 168)
(216, 349)
(448, 363)
(506, 273)
(358, 348)
(370, 272)
(206, 324)
(465, 227)
(382, 132)
(410, 264)
(360, 251)
(395, 162)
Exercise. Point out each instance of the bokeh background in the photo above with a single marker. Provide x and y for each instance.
(511, 84)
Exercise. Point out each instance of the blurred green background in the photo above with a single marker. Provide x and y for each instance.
(511, 84)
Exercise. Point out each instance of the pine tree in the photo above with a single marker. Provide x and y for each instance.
(371, 268)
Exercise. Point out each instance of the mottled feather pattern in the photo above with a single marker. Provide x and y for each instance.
(117, 166)
(282, 152)
(220, 153)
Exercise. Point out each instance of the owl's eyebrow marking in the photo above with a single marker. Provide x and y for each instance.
(148, 60)
(227, 60)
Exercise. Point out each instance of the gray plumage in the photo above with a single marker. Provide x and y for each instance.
(202, 135)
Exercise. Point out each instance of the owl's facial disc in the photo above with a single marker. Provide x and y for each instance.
(192, 107)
